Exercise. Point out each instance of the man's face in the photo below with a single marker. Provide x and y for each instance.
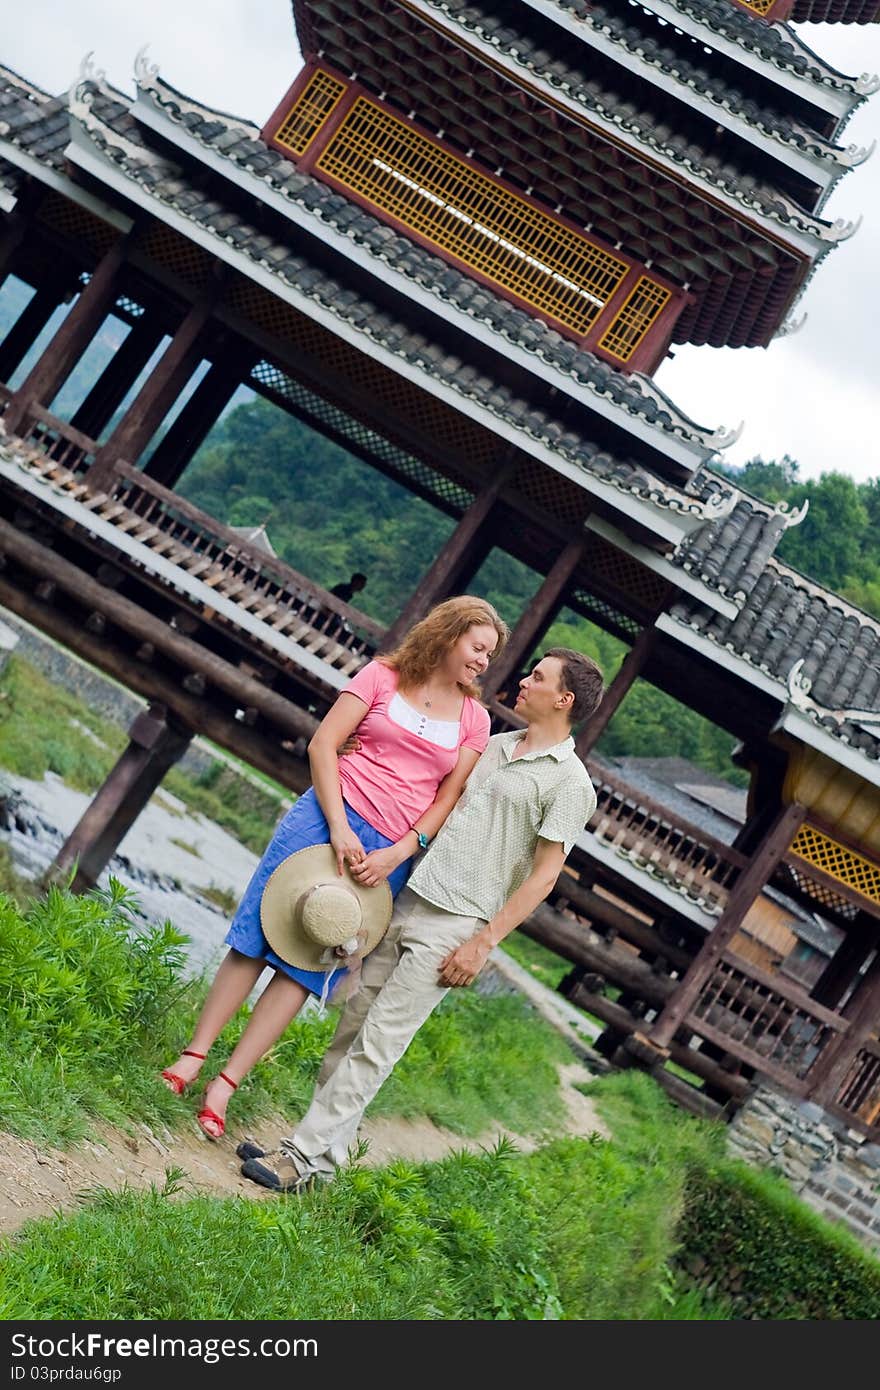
(540, 690)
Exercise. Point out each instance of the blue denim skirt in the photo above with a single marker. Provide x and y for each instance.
(303, 826)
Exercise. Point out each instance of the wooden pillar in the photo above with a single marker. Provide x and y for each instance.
(630, 669)
(12, 235)
(441, 579)
(156, 396)
(863, 1009)
(175, 451)
(842, 970)
(49, 373)
(535, 620)
(117, 379)
(154, 747)
(746, 889)
(28, 327)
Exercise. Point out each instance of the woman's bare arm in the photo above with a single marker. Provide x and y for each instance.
(338, 724)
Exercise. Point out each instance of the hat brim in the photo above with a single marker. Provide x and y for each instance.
(293, 877)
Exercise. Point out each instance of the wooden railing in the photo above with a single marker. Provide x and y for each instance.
(60, 441)
(262, 584)
(859, 1092)
(764, 1020)
(221, 555)
(647, 833)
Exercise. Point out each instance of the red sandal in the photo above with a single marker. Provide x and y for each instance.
(207, 1116)
(176, 1083)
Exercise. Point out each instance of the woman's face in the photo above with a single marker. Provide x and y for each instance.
(468, 659)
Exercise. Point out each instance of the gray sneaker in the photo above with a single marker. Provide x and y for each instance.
(277, 1171)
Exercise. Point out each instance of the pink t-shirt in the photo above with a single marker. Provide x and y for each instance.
(393, 778)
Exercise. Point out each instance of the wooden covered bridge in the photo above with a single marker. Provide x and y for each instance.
(459, 248)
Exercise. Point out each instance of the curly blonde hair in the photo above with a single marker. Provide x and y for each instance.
(426, 644)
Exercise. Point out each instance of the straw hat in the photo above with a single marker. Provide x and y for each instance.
(307, 911)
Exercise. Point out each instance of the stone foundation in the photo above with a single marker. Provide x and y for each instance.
(834, 1169)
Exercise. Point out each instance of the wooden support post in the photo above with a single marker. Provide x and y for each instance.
(201, 412)
(862, 1010)
(842, 970)
(746, 889)
(441, 579)
(630, 669)
(157, 395)
(13, 234)
(154, 747)
(117, 379)
(535, 620)
(49, 373)
(28, 327)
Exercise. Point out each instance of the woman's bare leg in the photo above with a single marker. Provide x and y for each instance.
(235, 978)
(276, 1007)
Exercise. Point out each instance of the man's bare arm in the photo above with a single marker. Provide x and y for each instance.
(462, 965)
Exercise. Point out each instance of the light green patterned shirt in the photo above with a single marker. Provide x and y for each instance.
(486, 849)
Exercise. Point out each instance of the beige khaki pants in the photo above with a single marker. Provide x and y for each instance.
(398, 990)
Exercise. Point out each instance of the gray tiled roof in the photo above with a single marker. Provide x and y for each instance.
(240, 143)
(775, 42)
(787, 618)
(743, 276)
(731, 554)
(112, 130)
(639, 108)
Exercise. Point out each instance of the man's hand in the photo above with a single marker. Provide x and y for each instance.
(463, 965)
(351, 745)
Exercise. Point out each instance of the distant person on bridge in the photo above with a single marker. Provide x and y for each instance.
(494, 861)
(347, 590)
(420, 730)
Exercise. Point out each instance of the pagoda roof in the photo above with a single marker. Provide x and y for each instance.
(110, 145)
(722, 537)
(655, 65)
(232, 147)
(811, 649)
(836, 11)
(742, 259)
(776, 44)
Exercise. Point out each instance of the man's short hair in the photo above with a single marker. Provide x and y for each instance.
(583, 678)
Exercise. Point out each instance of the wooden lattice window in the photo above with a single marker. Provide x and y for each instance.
(321, 95)
(70, 220)
(189, 262)
(552, 492)
(761, 7)
(371, 390)
(621, 574)
(838, 862)
(472, 216)
(641, 310)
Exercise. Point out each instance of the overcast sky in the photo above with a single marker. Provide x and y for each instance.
(814, 395)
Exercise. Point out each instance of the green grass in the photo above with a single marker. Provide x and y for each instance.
(40, 733)
(543, 964)
(453, 1240)
(93, 1004)
(476, 1060)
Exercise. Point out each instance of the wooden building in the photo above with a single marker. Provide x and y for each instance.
(460, 246)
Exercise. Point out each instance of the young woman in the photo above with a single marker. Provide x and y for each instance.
(419, 731)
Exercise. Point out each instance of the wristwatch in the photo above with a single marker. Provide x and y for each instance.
(422, 838)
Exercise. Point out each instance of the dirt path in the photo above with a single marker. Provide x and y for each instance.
(38, 1182)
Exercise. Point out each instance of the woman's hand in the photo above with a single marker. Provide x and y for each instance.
(347, 848)
(376, 867)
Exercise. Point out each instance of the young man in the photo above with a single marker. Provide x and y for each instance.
(496, 858)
